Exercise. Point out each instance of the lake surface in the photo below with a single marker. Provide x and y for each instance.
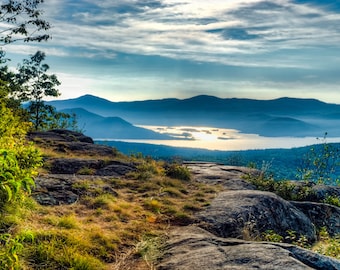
(213, 138)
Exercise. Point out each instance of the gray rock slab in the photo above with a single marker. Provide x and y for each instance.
(191, 248)
(231, 177)
(322, 215)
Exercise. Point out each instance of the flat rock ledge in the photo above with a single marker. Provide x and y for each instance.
(191, 248)
(231, 177)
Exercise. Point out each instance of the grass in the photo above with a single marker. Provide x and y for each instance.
(117, 223)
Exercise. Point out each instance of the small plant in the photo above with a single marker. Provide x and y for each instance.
(287, 190)
(333, 200)
(147, 169)
(294, 239)
(149, 249)
(178, 171)
(271, 236)
(329, 246)
(86, 171)
(10, 247)
(154, 205)
(67, 222)
(320, 164)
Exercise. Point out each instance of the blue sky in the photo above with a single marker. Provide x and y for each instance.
(150, 49)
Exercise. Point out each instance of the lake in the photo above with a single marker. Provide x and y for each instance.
(213, 138)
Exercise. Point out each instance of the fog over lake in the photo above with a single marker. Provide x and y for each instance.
(225, 139)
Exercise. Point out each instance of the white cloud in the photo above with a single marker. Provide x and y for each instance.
(179, 29)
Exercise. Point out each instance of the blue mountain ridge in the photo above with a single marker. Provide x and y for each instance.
(98, 126)
(277, 117)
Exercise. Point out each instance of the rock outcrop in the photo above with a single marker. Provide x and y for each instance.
(66, 141)
(321, 215)
(249, 213)
(58, 189)
(228, 176)
(218, 239)
(58, 186)
(91, 166)
(194, 248)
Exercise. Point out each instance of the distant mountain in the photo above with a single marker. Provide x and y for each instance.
(286, 126)
(98, 126)
(278, 117)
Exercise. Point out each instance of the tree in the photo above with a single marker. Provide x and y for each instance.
(8, 88)
(37, 84)
(21, 20)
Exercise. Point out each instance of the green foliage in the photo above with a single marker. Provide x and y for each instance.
(291, 237)
(10, 247)
(178, 171)
(298, 240)
(272, 236)
(149, 249)
(35, 80)
(18, 160)
(147, 168)
(23, 21)
(86, 171)
(37, 84)
(333, 200)
(329, 246)
(320, 164)
(287, 190)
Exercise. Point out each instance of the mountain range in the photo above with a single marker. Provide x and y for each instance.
(285, 116)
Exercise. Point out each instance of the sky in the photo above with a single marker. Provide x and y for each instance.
(126, 50)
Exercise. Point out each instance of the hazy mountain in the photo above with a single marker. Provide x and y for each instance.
(98, 126)
(277, 117)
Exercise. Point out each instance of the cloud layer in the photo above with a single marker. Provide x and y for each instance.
(280, 40)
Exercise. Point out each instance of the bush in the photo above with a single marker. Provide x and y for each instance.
(178, 171)
(18, 163)
(18, 159)
(321, 163)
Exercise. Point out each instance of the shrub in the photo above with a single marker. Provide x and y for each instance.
(147, 169)
(18, 159)
(333, 200)
(320, 164)
(178, 171)
(86, 171)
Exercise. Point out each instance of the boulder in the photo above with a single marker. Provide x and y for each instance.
(194, 248)
(66, 141)
(246, 214)
(322, 215)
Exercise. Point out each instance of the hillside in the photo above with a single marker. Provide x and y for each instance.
(99, 209)
(98, 126)
(278, 117)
